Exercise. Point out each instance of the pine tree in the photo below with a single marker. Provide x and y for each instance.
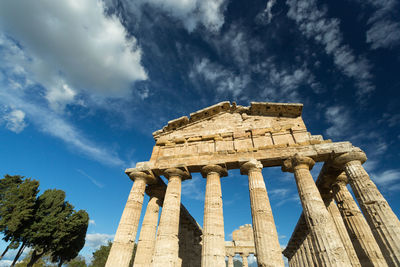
(51, 213)
(69, 239)
(17, 204)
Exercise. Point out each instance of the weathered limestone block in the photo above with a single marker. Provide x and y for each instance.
(327, 197)
(213, 252)
(382, 220)
(124, 240)
(367, 249)
(167, 243)
(328, 244)
(147, 237)
(264, 140)
(283, 138)
(265, 235)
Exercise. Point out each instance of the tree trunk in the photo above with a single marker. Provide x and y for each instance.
(21, 249)
(60, 263)
(34, 258)
(5, 251)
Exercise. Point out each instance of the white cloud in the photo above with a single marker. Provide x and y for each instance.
(192, 188)
(70, 47)
(53, 124)
(384, 31)
(225, 81)
(266, 15)
(209, 13)
(15, 120)
(94, 181)
(314, 23)
(92, 222)
(384, 34)
(96, 240)
(339, 119)
(388, 179)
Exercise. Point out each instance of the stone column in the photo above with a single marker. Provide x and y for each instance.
(296, 259)
(312, 251)
(330, 248)
(307, 253)
(368, 251)
(147, 237)
(327, 197)
(266, 240)
(124, 240)
(383, 222)
(167, 243)
(213, 251)
(230, 261)
(302, 256)
(244, 259)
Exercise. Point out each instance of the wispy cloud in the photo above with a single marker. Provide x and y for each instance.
(314, 23)
(15, 120)
(339, 119)
(193, 188)
(226, 81)
(53, 124)
(389, 179)
(192, 13)
(94, 181)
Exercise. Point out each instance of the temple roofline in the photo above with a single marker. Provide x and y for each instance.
(256, 108)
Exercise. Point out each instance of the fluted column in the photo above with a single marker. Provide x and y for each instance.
(266, 240)
(124, 240)
(296, 259)
(167, 243)
(213, 251)
(147, 237)
(364, 243)
(327, 240)
(244, 259)
(302, 257)
(313, 253)
(327, 197)
(381, 219)
(307, 253)
(230, 261)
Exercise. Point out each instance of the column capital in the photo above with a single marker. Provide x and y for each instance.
(136, 174)
(156, 190)
(222, 171)
(183, 173)
(342, 179)
(250, 165)
(340, 161)
(297, 162)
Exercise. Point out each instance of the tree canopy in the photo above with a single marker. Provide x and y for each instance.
(46, 223)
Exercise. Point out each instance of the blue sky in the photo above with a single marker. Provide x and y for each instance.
(83, 84)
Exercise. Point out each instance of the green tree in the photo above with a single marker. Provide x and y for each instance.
(78, 261)
(42, 262)
(69, 239)
(51, 212)
(17, 204)
(100, 255)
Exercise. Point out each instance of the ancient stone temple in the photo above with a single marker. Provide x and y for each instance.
(331, 231)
